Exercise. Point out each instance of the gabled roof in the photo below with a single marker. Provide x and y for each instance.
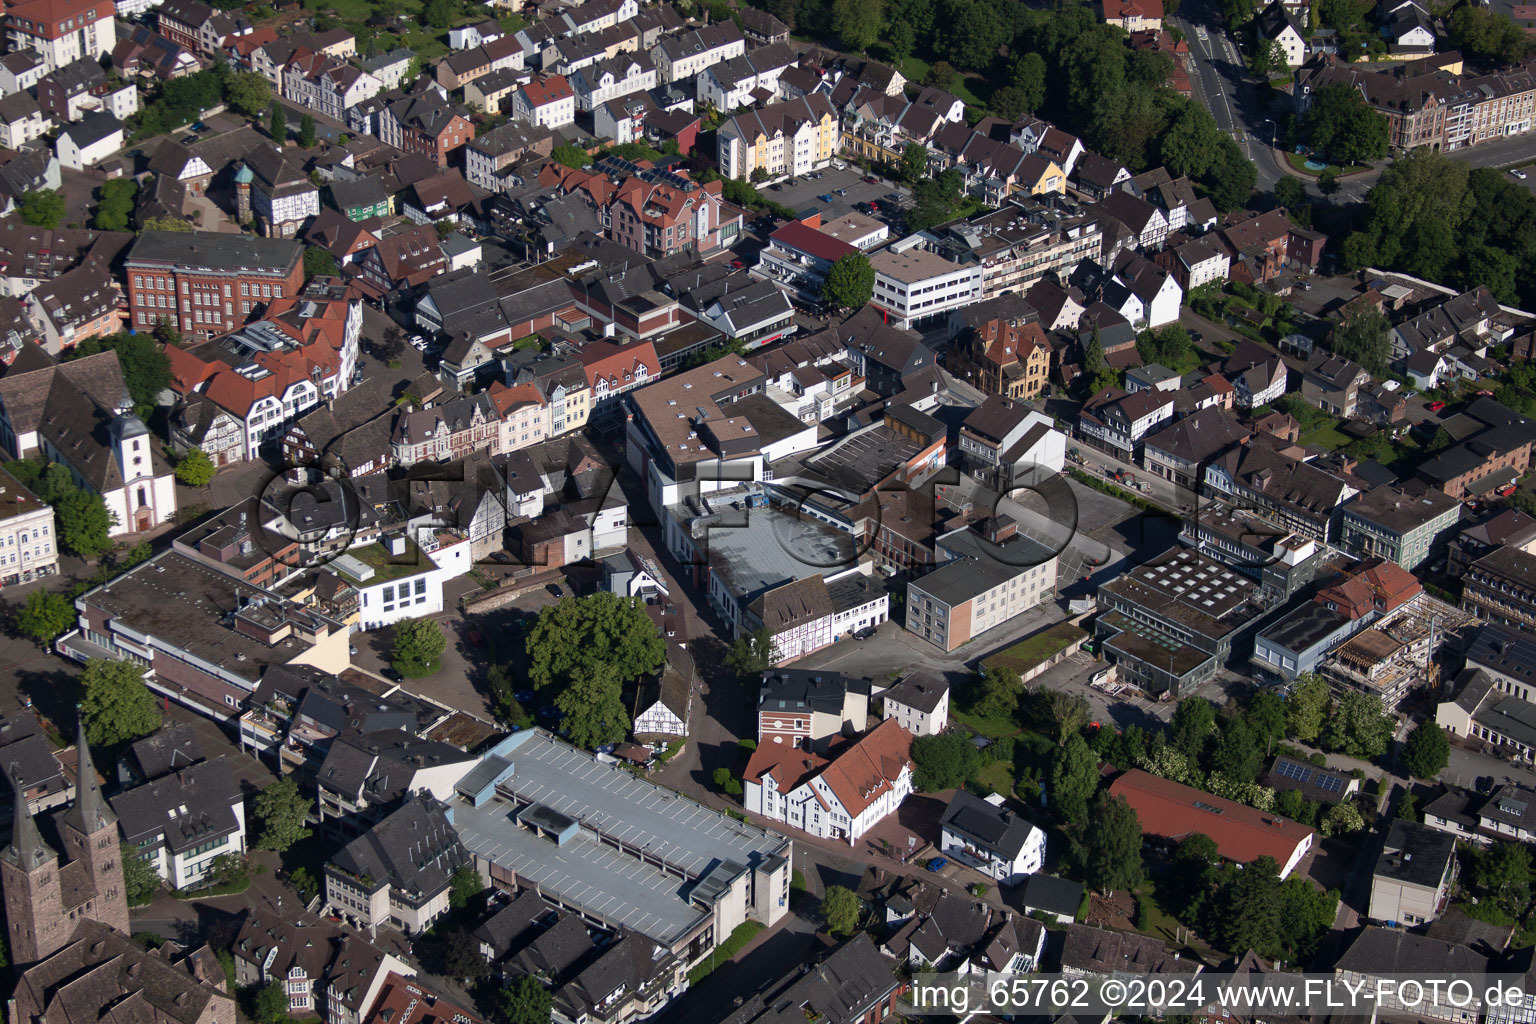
(1174, 811)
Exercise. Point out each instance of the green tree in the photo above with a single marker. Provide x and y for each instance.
(1364, 335)
(1194, 720)
(461, 956)
(1266, 714)
(572, 637)
(1267, 58)
(849, 283)
(1503, 874)
(1231, 177)
(752, 654)
(593, 703)
(1359, 726)
(42, 208)
(1343, 126)
(758, 175)
(570, 155)
(281, 811)
(995, 693)
(1237, 12)
(1192, 872)
(114, 204)
(941, 75)
(857, 22)
(319, 262)
(1341, 818)
(1074, 777)
(1027, 74)
(1487, 35)
(116, 704)
(1113, 844)
(1061, 714)
(464, 886)
(525, 1001)
(943, 761)
(1238, 753)
(277, 122)
(1290, 192)
(841, 909)
(248, 92)
(304, 883)
(46, 616)
(437, 14)
(1407, 807)
(270, 1005)
(914, 163)
(195, 468)
(1250, 915)
(307, 131)
(1427, 751)
(140, 883)
(1191, 142)
(1307, 707)
(175, 224)
(419, 643)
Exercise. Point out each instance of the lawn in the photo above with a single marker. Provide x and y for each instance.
(1036, 648)
(730, 947)
(991, 728)
(388, 567)
(997, 777)
(1328, 437)
(1299, 162)
(915, 69)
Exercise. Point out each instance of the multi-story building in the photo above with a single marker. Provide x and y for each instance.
(1012, 443)
(265, 376)
(985, 834)
(426, 124)
(988, 574)
(327, 84)
(446, 432)
(842, 798)
(665, 213)
(913, 283)
(205, 283)
(793, 137)
(183, 822)
(608, 79)
(1414, 875)
(1170, 623)
(489, 158)
(29, 541)
(1119, 423)
(60, 32)
(282, 196)
(919, 703)
(547, 102)
(1501, 587)
(1181, 450)
(532, 790)
(1022, 243)
(1006, 358)
(798, 257)
(678, 58)
(400, 871)
(1406, 525)
(80, 304)
(1298, 496)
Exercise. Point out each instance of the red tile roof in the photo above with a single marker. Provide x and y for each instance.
(869, 766)
(619, 364)
(407, 1001)
(797, 235)
(789, 766)
(542, 91)
(1379, 581)
(1174, 811)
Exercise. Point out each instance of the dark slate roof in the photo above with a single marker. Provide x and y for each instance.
(795, 689)
(171, 748)
(415, 850)
(216, 250)
(1057, 895)
(1391, 951)
(1415, 854)
(994, 828)
(841, 989)
(920, 690)
(191, 807)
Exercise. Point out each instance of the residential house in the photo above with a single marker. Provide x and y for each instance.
(81, 303)
(328, 84)
(679, 58)
(1119, 422)
(399, 872)
(1277, 25)
(282, 196)
(547, 102)
(61, 32)
(841, 798)
(89, 141)
(988, 836)
(1333, 384)
(989, 574)
(427, 124)
(1403, 524)
(29, 542)
(1133, 15)
(21, 120)
(1415, 873)
(919, 703)
(183, 822)
(1181, 450)
(793, 137)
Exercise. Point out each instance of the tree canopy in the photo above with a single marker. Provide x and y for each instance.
(419, 643)
(577, 636)
(116, 705)
(1363, 334)
(841, 908)
(850, 282)
(114, 203)
(525, 1001)
(45, 616)
(943, 761)
(194, 468)
(593, 705)
(1345, 128)
(1113, 845)
(42, 208)
(1074, 778)
(280, 812)
(1427, 751)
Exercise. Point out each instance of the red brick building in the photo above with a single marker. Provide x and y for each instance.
(426, 124)
(206, 283)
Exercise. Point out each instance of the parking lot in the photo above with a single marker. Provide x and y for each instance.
(805, 193)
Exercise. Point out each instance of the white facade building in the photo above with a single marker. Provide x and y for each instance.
(912, 283)
(437, 558)
(989, 837)
(840, 799)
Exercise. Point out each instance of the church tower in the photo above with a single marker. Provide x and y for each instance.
(29, 871)
(90, 835)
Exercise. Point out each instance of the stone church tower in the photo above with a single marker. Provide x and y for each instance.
(46, 895)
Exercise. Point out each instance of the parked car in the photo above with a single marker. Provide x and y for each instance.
(501, 557)
(357, 377)
(825, 197)
(1517, 172)
(938, 864)
(775, 188)
(892, 197)
(1435, 406)
(864, 634)
(842, 191)
(737, 264)
(554, 588)
(870, 179)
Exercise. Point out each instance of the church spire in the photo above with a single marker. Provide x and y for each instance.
(26, 849)
(89, 813)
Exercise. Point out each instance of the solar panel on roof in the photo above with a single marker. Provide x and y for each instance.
(1293, 770)
(1330, 783)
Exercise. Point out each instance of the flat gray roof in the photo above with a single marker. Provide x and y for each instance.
(629, 814)
(768, 547)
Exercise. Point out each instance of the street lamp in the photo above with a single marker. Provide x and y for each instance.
(1273, 128)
